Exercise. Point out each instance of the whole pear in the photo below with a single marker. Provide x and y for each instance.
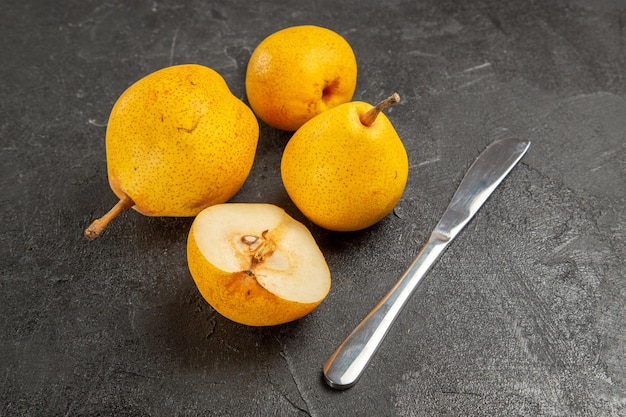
(299, 72)
(346, 168)
(177, 141)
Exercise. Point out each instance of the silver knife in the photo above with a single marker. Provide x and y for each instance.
(346, 365)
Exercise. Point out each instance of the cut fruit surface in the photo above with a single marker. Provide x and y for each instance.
(255, 264)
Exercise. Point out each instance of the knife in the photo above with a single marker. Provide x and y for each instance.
(346, 365)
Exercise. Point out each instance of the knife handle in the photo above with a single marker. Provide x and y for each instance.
(344, 367)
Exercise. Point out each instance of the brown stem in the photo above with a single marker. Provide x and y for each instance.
(96, 228)
(370, 116)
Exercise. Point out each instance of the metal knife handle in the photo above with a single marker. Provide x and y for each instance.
(345, 366)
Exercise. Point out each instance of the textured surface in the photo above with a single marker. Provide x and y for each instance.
(523, 315)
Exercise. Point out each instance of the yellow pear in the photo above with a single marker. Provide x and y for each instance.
(256, 265)
(299, 72)
(177, 141)
(346, 168)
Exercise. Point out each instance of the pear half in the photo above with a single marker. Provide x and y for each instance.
(255, 264)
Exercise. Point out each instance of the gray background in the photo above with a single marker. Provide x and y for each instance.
(523, 315)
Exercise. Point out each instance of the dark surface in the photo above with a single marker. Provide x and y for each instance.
(523, 315)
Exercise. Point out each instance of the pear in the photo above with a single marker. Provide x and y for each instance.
(177, 141)
(346, 168)
(299, 72)
(255, 264)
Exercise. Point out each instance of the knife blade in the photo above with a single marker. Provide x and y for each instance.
(346, 365)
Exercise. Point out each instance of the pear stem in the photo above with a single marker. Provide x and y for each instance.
(96, 228)
(370, 116)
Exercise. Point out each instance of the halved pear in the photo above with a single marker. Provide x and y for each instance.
(255, 264)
